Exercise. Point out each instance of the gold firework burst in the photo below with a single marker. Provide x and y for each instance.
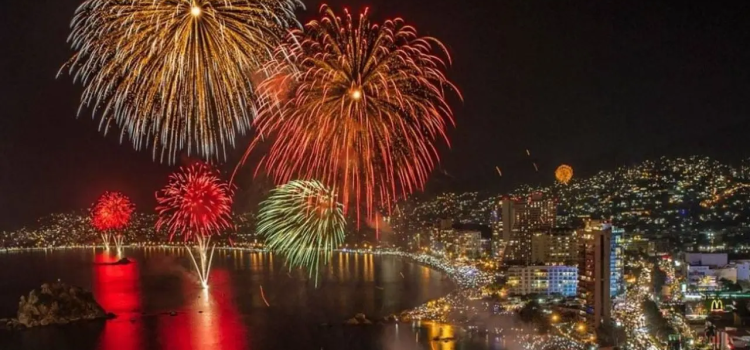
(175, 74)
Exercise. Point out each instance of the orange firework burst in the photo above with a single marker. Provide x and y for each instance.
(564, 173)
(357, 106)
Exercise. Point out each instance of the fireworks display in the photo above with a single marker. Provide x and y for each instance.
(111, 212)
(564, 173)
(197, 204)
(302, 221)
(175, 74)
(357, 106)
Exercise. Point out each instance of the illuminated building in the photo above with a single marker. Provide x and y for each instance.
(702, 270)
(616, 264)
(705, 271)
(507, 217)
(524, 218)
(594, 271)
(558, 246)
(468, 243)
(442, 238)
(743, 269)
(499, 236)
(635, 242)
(562, 280)
(704, 259)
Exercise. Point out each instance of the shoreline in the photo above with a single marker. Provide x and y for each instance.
(466, 279)
(466, 284)
(463, 276)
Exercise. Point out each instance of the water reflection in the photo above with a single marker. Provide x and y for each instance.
(231, 315)
(440, 336)
(210, 321)
(117, 289)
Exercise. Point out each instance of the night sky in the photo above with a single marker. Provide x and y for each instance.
(594, 84)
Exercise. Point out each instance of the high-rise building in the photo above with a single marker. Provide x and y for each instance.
(616, 266)
(558, 246)
(594, 270)
(442, 238)
(503, 226)
(562, 280)
(468, 243)
(522, 220)
(496, 223)
(504, 219)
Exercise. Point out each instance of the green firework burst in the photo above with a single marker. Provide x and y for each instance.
(303, 222)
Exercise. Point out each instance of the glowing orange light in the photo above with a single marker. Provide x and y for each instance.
(564, 173)
(356, 94)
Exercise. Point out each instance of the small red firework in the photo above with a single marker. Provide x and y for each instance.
(195, 202)
(112, 212)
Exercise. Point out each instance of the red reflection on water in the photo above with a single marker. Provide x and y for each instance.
(116, 288)
(218, 325)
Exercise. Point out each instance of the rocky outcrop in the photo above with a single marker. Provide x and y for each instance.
(58, 303)
(10, 324)
(123, 261)
(358, 319)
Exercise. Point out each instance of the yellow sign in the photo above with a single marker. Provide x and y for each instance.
(717, 305)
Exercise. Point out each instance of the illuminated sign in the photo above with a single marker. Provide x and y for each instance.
(717, 305)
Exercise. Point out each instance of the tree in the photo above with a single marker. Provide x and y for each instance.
(528, 311)
(730, 286)
(657, 324)
(658, 278)
(532, 313)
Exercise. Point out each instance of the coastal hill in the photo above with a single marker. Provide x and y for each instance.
(692, 195)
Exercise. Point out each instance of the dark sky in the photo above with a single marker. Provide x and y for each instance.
(591, 83)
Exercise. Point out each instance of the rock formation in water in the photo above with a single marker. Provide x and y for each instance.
(123, 261)
(358, 319)
(58, 303)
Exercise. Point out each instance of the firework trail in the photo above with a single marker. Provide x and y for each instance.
(263, 295)
(197, 204)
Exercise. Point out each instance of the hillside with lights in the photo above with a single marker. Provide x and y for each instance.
(667, 198)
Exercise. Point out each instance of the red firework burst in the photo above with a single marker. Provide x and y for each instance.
(357, 106)
(195, 202)
(112, 211)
